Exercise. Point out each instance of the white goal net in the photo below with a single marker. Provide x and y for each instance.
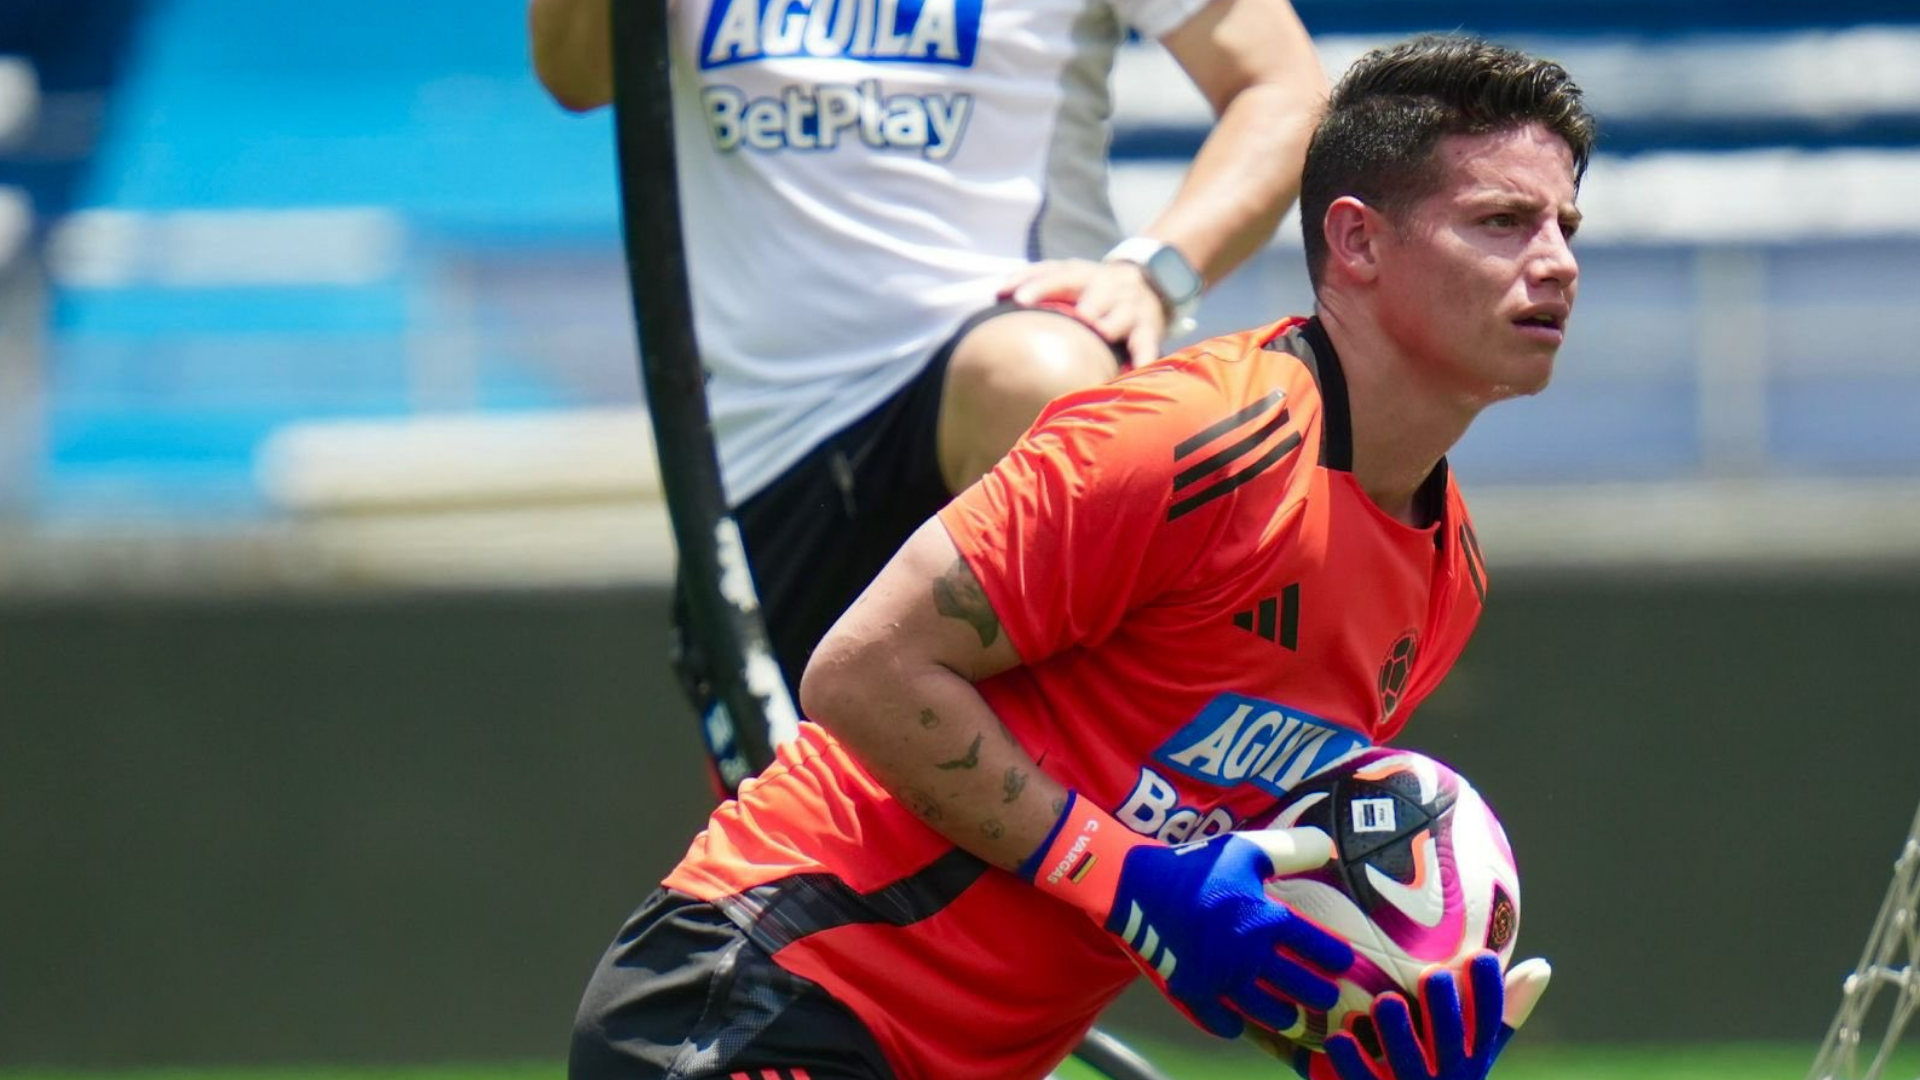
(1883, 992)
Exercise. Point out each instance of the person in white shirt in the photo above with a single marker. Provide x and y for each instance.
(889, 206)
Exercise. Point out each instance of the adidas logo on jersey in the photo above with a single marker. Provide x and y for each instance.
(908, 31)
(1277, 618)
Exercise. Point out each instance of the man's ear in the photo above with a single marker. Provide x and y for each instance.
(1353, 231)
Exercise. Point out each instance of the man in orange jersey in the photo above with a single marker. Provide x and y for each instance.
(1037, 731)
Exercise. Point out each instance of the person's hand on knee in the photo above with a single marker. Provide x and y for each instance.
(1115, 299)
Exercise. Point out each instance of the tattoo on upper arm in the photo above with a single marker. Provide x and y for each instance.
(1059, 805)
(969, 761)
(921, 803)
(993, 829)
(957, 594)
(929, 719)
(1013, 784)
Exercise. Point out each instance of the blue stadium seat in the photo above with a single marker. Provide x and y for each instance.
(499, 218)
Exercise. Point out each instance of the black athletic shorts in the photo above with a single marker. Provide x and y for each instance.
(682, 994)
(828, 525)
(824, 528)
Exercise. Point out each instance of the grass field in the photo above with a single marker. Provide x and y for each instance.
(1742, 1062)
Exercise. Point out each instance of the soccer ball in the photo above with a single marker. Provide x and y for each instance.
(1422, 874)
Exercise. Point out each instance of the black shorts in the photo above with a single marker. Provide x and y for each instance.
(826, 527)
(682, 994)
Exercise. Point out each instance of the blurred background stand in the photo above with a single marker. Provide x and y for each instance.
(253, 223)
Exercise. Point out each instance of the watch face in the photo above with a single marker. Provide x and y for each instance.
(1176, 279)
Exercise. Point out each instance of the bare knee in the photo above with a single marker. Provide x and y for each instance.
(999, 378)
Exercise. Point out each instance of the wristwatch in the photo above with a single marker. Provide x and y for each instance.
(1172, 277)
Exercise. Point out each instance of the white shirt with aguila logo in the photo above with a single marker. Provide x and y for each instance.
(859, 175)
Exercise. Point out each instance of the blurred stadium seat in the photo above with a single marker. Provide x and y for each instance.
(291, 215)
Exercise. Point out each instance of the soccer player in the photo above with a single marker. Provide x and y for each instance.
(861, 179)
(1038, 735)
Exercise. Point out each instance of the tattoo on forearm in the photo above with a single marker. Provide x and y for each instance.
(929, 719)
(1013, 784)
(957, 594)
(993, 829)
(972, 759)
(922, 804)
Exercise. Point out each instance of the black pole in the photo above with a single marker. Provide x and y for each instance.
(723, 613)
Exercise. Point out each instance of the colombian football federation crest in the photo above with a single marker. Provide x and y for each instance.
(1396, 671)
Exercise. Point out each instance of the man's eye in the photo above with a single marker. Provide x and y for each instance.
(1503, 221)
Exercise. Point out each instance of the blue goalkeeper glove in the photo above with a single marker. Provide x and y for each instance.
(1197, 917)
(1494, 1010)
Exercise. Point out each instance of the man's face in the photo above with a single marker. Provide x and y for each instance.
(1477, 280)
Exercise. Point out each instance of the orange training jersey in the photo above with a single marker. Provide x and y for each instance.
(1208, 609)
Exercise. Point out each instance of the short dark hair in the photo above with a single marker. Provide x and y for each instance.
(1387, 115)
